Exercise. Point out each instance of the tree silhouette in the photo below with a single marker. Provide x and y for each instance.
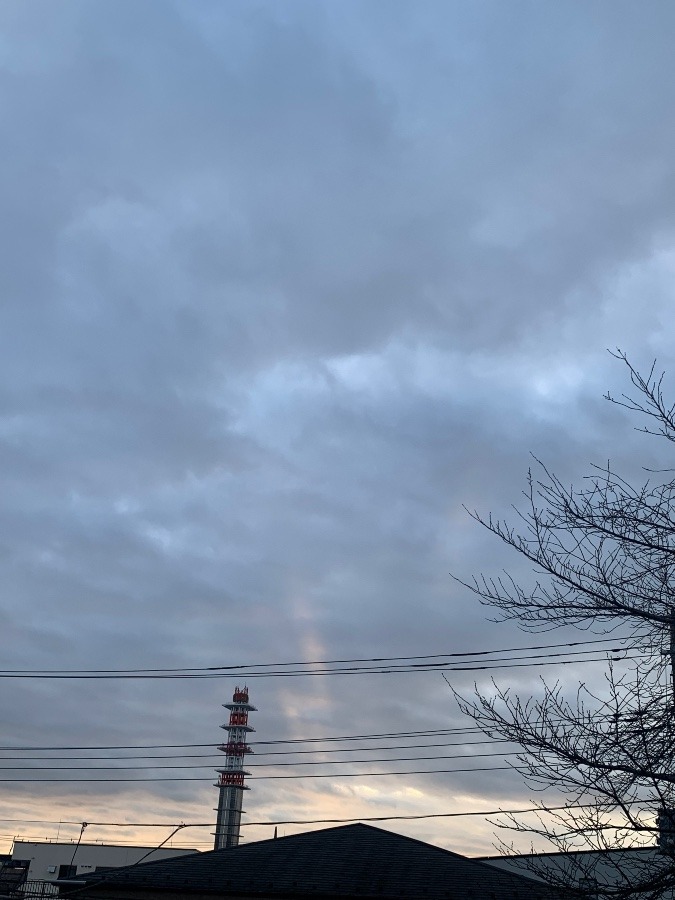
(604, 558)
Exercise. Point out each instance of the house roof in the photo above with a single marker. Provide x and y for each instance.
(351, 860)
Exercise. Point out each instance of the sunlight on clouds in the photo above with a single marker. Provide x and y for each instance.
(126, 805)
(560, 383)
(368, 792)
(365, 791)
(413, 793)
(372, 373)
(539, 383)
(461, 378)
(125, 506)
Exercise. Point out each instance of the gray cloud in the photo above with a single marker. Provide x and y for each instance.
(284, 285)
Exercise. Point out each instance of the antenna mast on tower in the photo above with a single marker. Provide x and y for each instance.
(231, 779)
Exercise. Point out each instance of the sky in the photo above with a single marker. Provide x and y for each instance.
(286, 285)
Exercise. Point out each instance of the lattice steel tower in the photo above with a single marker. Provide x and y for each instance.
(231, 779)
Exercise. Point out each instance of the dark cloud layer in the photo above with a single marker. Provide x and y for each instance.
(283, 286)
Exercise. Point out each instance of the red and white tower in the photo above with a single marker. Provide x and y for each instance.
(231, 778)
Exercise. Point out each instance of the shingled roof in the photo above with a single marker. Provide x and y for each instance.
(347, 861)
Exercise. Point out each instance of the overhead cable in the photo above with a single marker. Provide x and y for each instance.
(447, 815)
(272, 765)
(374, 664)
(316, 672)
(215, 755)
(403, 735)
(258, 777)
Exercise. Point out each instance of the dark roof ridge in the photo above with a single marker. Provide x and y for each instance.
(300, 835)
(369, 827)
(426, 845)
(352, 825)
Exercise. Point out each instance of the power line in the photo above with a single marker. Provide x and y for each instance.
(337, 762)
(326, 662)
(463, 813)
(390, 747)
(433, 732)
(215, 755)
(258, 777)
(316, 673)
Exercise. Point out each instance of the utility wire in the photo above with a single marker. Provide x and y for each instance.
(434, 732)
(215, 755)
(79, 841)
(159, 846)
(463, 813)
(258, 777)
(315, 673)
(337, 762)
(105, 879)
(279, 665)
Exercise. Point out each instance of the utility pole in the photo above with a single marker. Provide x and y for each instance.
(666, 817)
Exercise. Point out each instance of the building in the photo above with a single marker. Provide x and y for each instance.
(48, 861)
(12, 875)
(332, 864)
(594, 871)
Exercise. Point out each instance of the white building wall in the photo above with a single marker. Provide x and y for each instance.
(46, 857)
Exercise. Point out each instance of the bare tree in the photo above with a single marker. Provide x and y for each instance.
(604, 558)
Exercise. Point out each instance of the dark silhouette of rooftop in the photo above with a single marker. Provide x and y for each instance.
(346, 861)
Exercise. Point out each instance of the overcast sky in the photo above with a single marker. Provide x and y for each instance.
(284, 285)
